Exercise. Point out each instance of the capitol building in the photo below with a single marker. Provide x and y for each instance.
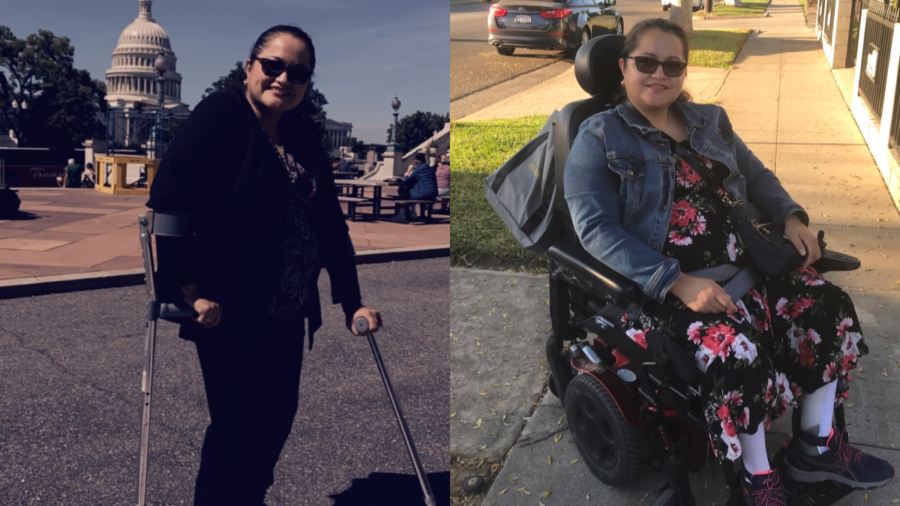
(132, 78)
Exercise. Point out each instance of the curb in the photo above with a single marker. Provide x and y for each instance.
(45, 285)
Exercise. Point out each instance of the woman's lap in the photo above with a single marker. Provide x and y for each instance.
(790, 336)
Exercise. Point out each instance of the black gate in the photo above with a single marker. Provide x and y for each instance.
(874, 64)
(853, 39)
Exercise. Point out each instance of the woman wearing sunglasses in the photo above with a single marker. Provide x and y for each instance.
(249, 169)
(642, 209)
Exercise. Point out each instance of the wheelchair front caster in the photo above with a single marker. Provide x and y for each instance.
(608, 445)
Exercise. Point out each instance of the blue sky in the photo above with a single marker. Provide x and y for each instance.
(366, 50)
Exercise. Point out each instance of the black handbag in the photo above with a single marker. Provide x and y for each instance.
(772, 253)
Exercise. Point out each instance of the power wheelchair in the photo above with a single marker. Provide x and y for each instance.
(617, 393)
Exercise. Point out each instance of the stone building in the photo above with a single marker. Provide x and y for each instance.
(132, 78)
(338, 134)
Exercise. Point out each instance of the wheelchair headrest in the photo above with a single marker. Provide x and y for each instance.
(597, 65)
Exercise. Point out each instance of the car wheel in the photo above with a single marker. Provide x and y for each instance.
(620, 27)
(608, 445)
(585, 36)
(669, 497)
(505, 50)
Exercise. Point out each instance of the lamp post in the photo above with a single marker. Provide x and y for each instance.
(392, 145)
(161, 64)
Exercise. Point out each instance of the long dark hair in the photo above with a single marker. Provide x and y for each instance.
(634, 38)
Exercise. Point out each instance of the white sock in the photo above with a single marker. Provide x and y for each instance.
(816, 411)
(753, 450)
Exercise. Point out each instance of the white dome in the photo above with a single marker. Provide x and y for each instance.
(144, 33)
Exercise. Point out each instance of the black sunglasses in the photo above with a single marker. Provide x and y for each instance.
(648, 65)
(297, 74)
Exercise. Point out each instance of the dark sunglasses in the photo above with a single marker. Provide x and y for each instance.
(297, 74)
(648, 65)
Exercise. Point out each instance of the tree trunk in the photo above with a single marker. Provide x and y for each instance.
(681, 13)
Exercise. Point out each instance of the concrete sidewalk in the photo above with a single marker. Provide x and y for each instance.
(785, 103)
(78, 234)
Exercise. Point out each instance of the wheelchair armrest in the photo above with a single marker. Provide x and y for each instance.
(176, 312)
(580, 268)
(834, 261)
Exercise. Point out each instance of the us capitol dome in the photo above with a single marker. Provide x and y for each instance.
(132, 78)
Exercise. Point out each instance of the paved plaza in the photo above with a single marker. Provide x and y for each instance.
(70, 400)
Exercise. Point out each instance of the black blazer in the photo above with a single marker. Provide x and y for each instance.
(223, 171)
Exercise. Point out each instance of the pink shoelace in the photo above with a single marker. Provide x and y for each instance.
(845, 452)
(772, 494)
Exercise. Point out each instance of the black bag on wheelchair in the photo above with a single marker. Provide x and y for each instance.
(523, 191)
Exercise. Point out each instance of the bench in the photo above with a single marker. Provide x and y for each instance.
(353, 203)
(426, 206)
(444, 201)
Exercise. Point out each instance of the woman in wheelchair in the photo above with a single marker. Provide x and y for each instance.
(642, 209)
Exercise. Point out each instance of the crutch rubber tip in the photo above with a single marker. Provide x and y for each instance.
(361, 325)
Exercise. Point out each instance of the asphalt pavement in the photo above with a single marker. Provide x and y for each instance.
(70, 369)
(479, 76)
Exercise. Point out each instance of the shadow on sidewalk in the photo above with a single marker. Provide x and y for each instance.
(390, 489)
(22, 215)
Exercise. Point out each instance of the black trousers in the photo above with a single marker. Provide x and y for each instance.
(252, 386)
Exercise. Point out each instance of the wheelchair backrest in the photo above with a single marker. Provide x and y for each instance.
(597, 71)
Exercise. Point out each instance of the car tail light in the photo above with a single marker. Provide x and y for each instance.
(497, 11)
(556, 13)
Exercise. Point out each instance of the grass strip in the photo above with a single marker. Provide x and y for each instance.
(478, 238)
(717, 48)
(750, 8)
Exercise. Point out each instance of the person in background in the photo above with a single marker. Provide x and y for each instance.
(421, 183)
(343, 166)
(443, 175)
(72, 177)
(87, 177)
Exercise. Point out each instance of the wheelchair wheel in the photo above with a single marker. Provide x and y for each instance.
(669, 497)
(607, 443)
(551, 385)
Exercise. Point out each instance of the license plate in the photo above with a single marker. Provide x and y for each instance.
(523, 18)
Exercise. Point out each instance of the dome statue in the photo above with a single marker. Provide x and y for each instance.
(132, 78)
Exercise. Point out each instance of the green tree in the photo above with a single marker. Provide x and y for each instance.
(358, 146)
(43, 98)
(415, 128)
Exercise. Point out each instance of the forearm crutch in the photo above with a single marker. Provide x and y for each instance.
(159, 224)
(362, 326)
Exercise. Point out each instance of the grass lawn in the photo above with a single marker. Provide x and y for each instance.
(750, 8)
(717, 48)
(478, 238)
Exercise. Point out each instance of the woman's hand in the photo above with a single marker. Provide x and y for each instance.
(702, 295)
(371, 315)
(804, 240)
(209, 312)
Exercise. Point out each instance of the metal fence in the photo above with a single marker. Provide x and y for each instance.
(853, 37)
(145, 130)
(828, 28)
(884, 10)
(874, 64)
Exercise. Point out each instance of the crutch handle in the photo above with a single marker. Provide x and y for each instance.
(361, 325)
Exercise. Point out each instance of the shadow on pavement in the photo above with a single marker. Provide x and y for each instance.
(22, 215)
(390, 489)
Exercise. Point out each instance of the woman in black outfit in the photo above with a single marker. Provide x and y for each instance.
(251, 173)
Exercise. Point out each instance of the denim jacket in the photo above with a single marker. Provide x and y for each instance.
(619, 183)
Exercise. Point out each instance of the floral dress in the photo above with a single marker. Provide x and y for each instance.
(790, 335)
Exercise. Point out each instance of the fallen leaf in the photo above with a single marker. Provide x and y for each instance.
(478, 423)
(573, 462)
(503, 491)
(483, 392)
(549, 460)
(561, 420)
(452, 415)
(559, 436)
(547, 493)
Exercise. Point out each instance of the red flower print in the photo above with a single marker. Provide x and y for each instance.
(699, 226)
(723, 412)
(687, 176)
(728, 427)
(781, 308)
(678, 240)
(849, 363)
(844, 325)
(743, 418)
(828, 375)
(718, 339)
(801, 305)
(638, 337)
(694, 332)
(682, 214)
(807, 358)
